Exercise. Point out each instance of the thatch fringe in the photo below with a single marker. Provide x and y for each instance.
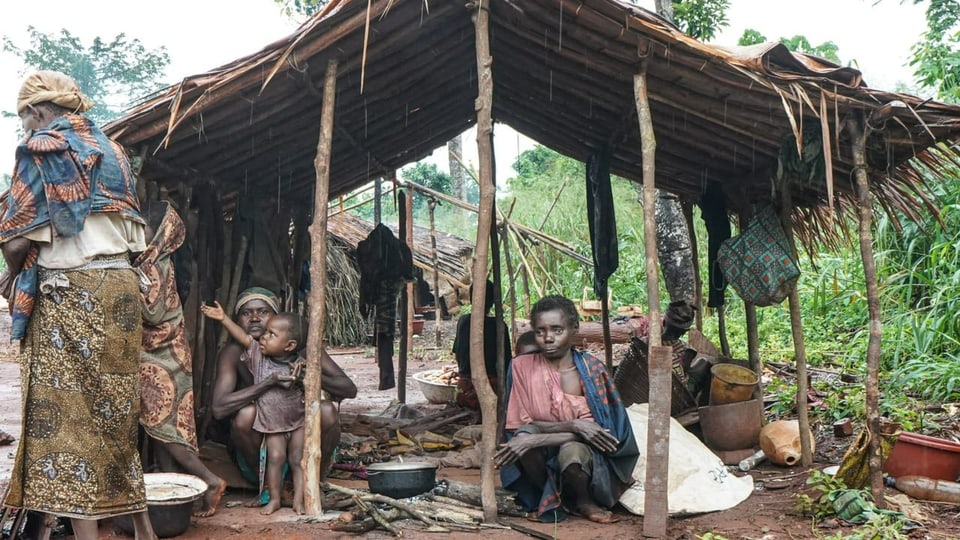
(345, 325)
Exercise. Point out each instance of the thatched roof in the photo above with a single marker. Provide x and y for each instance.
(563, 75)
(454, 254)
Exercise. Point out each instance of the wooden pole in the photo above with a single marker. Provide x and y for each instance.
(658, 424)
(607, 344)
(377, 193)
(502, 344)
(485, 394)
(405, 210)
(432, 203)
(511, 287)
(312, 496)
(753, 328)
(695, 256)
(799, 348)
(864, 210)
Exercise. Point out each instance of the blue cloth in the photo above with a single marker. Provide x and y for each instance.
(63, 173)
(612, 473)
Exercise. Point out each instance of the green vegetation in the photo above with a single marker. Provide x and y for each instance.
(918, 270)
(936, 55)
(113, 73)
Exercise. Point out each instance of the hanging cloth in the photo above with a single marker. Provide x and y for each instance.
(603, 223)
(713, 210)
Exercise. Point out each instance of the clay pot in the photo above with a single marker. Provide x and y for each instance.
(734, 426)
(780, 441)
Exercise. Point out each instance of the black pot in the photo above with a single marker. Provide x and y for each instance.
(401, 480)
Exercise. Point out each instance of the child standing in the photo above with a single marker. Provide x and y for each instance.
(280, 410)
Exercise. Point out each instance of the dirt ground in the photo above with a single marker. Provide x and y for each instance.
(769, 513)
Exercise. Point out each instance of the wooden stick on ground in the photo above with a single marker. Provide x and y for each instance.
(376, 515)
(417, 514)
(527, 530)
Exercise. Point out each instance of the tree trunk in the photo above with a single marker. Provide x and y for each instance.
(665, 9)
(673, 248)
(864, 211)
(455, 148)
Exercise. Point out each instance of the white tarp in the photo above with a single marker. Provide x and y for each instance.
(698, 481)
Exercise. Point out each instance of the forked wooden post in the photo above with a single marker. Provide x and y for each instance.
(796, 328)
(865, 213)
(312, 496)
(485, 394)
(658, 422)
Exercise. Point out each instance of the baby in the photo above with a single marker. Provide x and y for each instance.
(280, 410)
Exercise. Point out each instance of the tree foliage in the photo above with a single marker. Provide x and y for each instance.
(302, 8)
(701, 19)
(113, 73)
(798, 43)
(936, 57)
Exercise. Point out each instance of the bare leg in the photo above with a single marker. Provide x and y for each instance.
(190, 461)
(276, 457)
(578, 480)
(294, 455)
(84, 529)
(245, 438)
(329, 435)
(142, 528)
(533, 465)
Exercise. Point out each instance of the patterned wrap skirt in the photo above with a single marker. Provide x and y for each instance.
(79, 365)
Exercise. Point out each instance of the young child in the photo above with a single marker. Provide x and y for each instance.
(526, 344)
(280, 410)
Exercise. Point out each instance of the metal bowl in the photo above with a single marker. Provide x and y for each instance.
(401, 480)
(170, 498)
(435, 392)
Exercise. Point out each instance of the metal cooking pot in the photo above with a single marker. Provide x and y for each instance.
(401, 480)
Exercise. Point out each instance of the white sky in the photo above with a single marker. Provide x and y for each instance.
(202, 34)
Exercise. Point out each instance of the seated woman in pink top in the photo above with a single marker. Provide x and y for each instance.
(569, 444)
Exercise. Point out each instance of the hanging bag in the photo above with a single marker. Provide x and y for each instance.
(758, 263)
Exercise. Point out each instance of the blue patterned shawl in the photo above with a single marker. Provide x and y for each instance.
(612, 473)
(63, 173)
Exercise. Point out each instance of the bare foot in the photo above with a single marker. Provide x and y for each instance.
(596, 514)
(270, 507)
(254, 502)
(298, 505)
(211, 499)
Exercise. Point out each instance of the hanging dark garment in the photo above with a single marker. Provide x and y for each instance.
(385, 265)
(603, 223)
(713, 210)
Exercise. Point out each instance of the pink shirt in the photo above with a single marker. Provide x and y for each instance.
(536, 394)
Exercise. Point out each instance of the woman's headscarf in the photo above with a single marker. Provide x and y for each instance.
(258, 293)
(54, 87)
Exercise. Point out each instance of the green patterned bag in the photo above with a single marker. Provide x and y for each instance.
(758, 262)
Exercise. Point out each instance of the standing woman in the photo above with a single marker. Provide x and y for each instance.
(71, 223)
